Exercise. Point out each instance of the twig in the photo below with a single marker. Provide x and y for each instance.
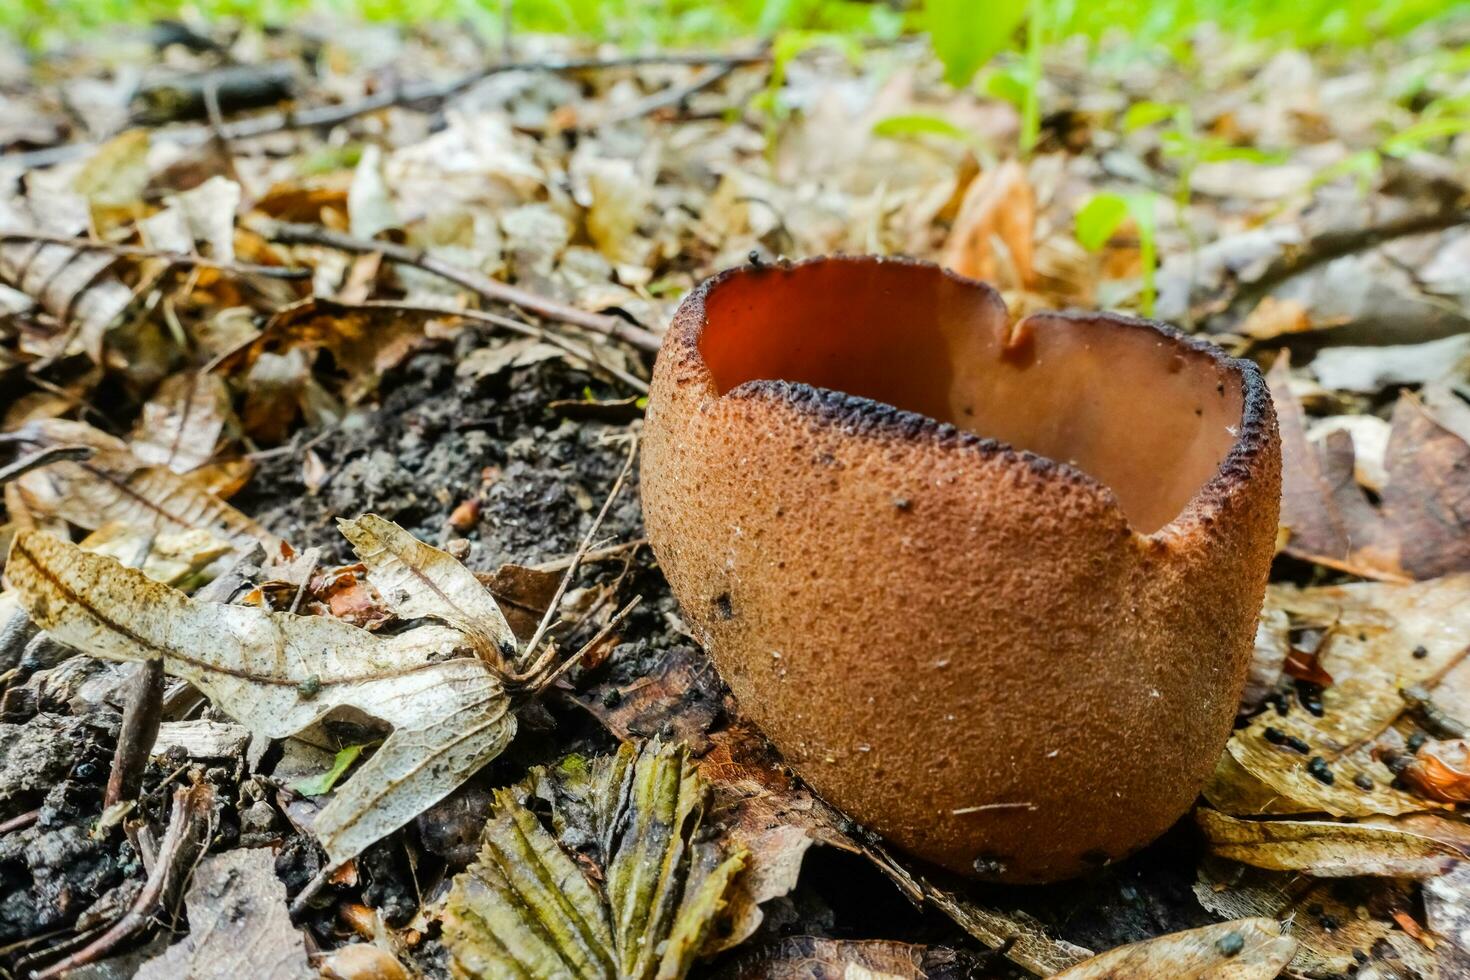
(667, 98)
(543, 683)
(20, 821)
(582, 548)
(141, 716)
(189, 824)
(303, 898)
(173, 258)
(596, 554)
(573, 348)
(289, 233)
(332, 115)
(45, 457)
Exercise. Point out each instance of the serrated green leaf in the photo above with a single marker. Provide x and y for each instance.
(525, 908)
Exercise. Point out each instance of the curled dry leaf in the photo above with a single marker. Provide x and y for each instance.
(277, 673)
(992, 235)
(419, 580)
(1377, 637)
(1246, 949)
(1441, 770)
(526, 909)
(115, 485)
(1415, 848)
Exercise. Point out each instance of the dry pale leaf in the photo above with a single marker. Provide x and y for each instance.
(817, 958)
(115, 485)
(277, 673)
(1246, 949)
(1378, 637)
(418, 580)
(1416, 848)
(182, 423)
(1336, 922)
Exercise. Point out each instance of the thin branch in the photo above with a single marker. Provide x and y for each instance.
(141, 716)
(582, 549)
(44, 457)
(289, 233)
(421, 92)
(190, 821)
(173, 258)
(541, 684)
(666, 98)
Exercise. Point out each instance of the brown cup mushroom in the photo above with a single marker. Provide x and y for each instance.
(990, 589)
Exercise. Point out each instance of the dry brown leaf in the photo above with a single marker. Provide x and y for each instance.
(992, 237)
(1328, 849)
(1379, 637)
(278, 673)
(1329, 519)
(1422, 528)
(1246, 949)
(115, 485)
(76, 287)
(182, 423)
(679, 698)
(1274, 317)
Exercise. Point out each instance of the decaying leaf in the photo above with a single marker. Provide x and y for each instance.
(1246, 949)
(1378, 637)
(238, 924)
(1340, 924)
(277, 673)
(526, 909)
(115, 485)
(419, 580)
(1415, 847)
(816, 958)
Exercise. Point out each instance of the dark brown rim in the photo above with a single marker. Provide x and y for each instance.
(866, 417)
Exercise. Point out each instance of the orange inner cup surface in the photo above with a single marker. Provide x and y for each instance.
(1134, 408)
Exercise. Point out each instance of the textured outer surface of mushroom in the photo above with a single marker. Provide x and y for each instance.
(990, 589)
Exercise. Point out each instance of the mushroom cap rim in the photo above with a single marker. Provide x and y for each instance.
(870, 418)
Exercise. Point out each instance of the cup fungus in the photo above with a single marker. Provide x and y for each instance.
(991, 589)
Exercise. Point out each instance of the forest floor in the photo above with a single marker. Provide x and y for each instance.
(254, 283)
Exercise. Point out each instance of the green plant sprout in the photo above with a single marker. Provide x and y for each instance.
(1104, 214)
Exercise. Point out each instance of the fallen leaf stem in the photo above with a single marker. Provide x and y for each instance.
(291, 233)
(171, 257)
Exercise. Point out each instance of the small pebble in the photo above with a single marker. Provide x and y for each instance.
(1230, 944)
(1318, 768)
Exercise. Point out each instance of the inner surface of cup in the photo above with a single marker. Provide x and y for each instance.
(1145, 413)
